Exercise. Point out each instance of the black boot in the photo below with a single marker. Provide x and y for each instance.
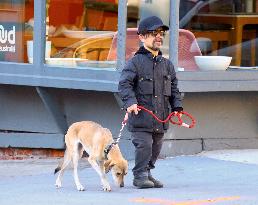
(157, 183)
(143, 183)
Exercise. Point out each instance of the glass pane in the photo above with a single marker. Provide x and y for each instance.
(83, 36)
(221, 28)
(16, 25)
(140, 9)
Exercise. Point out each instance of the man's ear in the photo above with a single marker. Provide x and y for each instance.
(141, 37)
(108, 165)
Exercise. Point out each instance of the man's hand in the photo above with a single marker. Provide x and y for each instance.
(178, 113)
(133, 108)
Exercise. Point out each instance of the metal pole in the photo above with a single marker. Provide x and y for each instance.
(39, 35)
(174, 27)
(121, 36)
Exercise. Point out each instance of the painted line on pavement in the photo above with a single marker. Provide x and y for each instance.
(191, 202)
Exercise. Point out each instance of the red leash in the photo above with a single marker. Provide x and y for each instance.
(170, 117)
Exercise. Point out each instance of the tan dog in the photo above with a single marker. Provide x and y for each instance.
(104, 154)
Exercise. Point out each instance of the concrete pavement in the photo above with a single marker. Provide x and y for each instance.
(189, 180)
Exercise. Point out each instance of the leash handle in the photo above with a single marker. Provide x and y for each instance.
(191, 118)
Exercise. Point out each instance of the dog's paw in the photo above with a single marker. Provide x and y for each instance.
(58, 185)
(107, 187)
(80, 187)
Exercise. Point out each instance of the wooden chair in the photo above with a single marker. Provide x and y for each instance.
(250, 35)
(91, 19)
(132, 44)
(95, 49)
(216, 37)
(187, 49)
(110, 24)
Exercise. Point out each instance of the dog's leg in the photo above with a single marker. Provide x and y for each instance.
(67, 160)
(100, 170)
(75, 158)
(103, 177)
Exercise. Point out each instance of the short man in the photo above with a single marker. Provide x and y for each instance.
(148, 80)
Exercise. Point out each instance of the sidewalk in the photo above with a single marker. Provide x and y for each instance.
(249, 156)
(189, 180)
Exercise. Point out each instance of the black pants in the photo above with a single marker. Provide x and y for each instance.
(147, 149)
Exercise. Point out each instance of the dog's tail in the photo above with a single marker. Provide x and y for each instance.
(57, 169)
(60, 164)
(82, 153)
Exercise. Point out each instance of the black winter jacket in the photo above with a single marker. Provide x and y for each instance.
(150, 82)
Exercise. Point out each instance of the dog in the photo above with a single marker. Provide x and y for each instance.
(104, 153)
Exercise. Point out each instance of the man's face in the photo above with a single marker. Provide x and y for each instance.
(153, 39)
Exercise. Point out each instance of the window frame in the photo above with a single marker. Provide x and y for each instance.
(39, 74)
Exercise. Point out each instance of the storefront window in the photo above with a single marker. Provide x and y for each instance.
(226, 29)
(82, 32)
(221, 28)
(16, 26)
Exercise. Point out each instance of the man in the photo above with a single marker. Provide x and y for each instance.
(148, 80)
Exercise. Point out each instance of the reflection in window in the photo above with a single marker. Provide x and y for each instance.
(223, 28)
(83, 35)
(15, 26)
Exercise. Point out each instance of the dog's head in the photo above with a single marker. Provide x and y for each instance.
(119, 170)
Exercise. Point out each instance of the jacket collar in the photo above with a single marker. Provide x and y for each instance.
(144, 51)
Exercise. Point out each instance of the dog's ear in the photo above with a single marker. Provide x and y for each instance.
(108, 165)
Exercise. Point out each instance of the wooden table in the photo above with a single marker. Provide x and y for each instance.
(59, 42)
(69, 45)
(237, 21)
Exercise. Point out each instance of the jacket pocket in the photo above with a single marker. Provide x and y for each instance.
(142, 120)
(146, 85)
(167, 85)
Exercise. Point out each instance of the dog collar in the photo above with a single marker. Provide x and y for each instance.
(108, 148)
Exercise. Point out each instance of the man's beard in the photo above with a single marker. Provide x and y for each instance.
(154, 48)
